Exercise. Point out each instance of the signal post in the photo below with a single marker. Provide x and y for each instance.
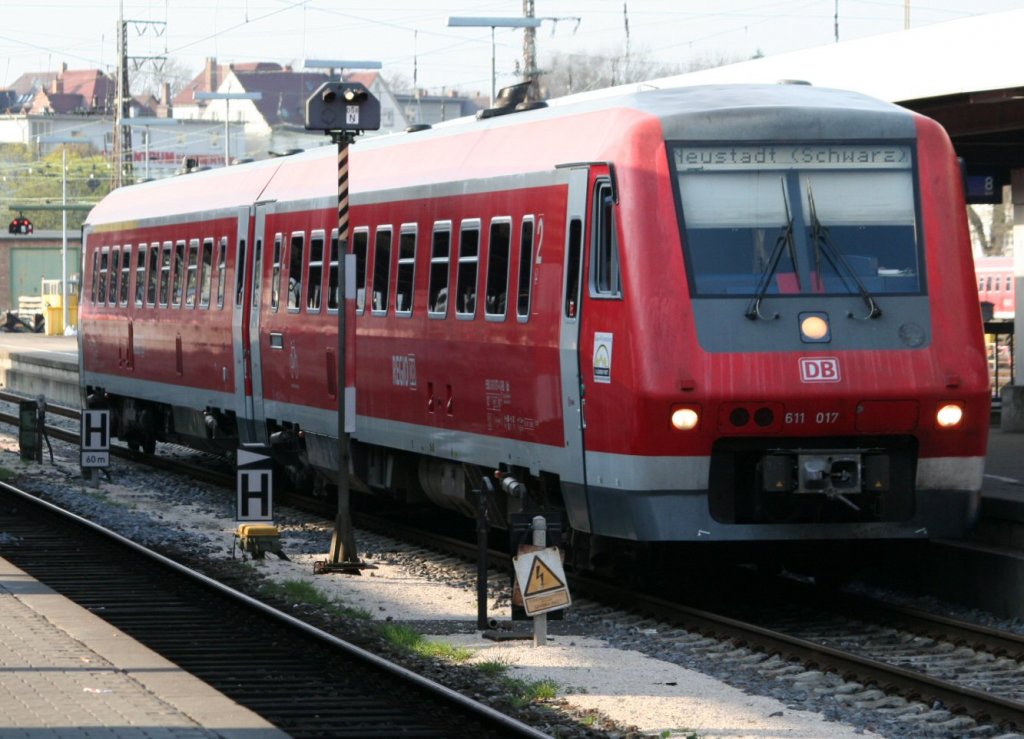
(343, 111)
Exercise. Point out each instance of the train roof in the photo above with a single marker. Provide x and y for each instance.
(573, 129)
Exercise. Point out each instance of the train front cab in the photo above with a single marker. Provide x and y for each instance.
(800, 386)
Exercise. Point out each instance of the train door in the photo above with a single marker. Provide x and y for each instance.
(573, 473)
(255, 428)
(606, 362)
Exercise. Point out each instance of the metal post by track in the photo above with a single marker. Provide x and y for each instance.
(540, 621)
(343, 110)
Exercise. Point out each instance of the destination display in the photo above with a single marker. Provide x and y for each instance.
(792, 156)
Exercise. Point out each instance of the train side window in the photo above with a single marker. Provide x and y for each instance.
(95, 277)
(332, 274)
(498, 247)
(572, 267)
(406, 277)
(440, 257)
(257, 273)
(316, 272)
(605, 279)
(192, 273)
(126, 274)
(222, 269)
(206, 273)
(525, 269)
(295, 257)
(381, 270)
(115, 268)
(165, 273)
(152, 273)
(240, 274)
(275, 279)
(360, 245)
(140, 275)
(101, 286)
(469, 259)
(179, 273)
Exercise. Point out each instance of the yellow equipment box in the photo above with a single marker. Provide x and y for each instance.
(258, 538)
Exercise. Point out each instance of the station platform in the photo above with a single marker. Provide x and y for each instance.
(64, 672)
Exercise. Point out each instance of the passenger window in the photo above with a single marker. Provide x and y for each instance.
(152, 273)
(179, 270)
(257, 273)
(406, 269)
(469, 257)
(332, 273)
(525, 269)
(192, 281)
(222, 270)
(206, 273)
(605, 279)
(115, 257)
(316, 271)
(240, 274)
(140, 276)
(496, 294)
(381, 270)
(440, 256)
(275, 279)
(101, 292)
(360, 244)
(95, 279)
(572, 267)
(165, 273)
(297, 252)
(126, 274)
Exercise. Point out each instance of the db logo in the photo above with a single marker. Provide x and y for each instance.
(819, 369)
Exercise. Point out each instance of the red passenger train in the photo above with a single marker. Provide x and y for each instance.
(723, 313)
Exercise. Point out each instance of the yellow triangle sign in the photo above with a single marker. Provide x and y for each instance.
(542, 579)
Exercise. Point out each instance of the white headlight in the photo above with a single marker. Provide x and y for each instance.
(684, 419)
(949, 415)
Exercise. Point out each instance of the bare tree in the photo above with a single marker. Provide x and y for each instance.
(564, 74)
(150, 78)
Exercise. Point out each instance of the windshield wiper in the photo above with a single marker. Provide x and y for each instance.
(823, 246)
(784, 242)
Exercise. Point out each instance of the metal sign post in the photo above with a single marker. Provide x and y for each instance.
(95, 435)
(254, 488)
(343, 110)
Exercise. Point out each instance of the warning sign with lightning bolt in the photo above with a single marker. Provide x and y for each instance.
(541, 579)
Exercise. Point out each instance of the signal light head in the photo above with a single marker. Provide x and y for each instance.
(949, 415)
(685, 418)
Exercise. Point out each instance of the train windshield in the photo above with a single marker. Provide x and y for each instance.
(790, 219)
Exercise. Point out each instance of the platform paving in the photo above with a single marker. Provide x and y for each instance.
(64, 672)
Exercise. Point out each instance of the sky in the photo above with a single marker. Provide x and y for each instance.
(411, 38)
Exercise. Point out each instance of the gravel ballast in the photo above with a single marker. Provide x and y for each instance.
(615, 675)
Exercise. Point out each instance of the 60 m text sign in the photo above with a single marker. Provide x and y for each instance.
(95, 437)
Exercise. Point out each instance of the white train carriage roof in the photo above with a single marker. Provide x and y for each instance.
(577, 129)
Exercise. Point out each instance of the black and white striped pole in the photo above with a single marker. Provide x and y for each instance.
(343, 111)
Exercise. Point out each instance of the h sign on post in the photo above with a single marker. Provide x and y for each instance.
(95, 435)
(255, 485)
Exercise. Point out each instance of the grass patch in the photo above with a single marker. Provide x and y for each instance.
(407, 638)
(6, 474)
(520, 693)
(523, 693)
(302, 591)
(492, 668)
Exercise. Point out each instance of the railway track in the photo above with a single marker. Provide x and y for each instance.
(909, 656)
(304, 681)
